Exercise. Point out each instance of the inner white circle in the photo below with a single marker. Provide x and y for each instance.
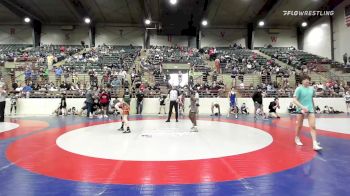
(156, 140)
(7, 126)
(338, 125)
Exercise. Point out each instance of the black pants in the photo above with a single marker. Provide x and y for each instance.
(139, 106)
(2, 111)
(173, 104)
(13, 106)
(89, 107)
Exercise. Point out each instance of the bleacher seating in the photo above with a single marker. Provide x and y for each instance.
(103, 56)
(104, 64)
(298, 58)
(9, 51)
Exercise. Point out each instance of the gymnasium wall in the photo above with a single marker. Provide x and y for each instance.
(223, 37)
(168, 40)
(15, 34)
(55, 35)
(47, 106)
(275, 37)
(119, 36)
(341, 32)
(317, 38)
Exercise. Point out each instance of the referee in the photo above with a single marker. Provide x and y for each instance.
(2, 101)
(173, 97)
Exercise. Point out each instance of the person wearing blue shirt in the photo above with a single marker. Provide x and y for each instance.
(116, 83)
(58, 72)
(27, 88)
(27, 74)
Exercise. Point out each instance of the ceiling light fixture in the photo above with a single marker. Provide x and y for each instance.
(173, 2)
(147, 21)
(204, 22)
(27, 19)
(261, 23)
(87, 20)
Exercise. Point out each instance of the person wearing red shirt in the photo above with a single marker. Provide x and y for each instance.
(142, 87)
(62, 49)
(254, 56)
(217, 65)
(104, 102)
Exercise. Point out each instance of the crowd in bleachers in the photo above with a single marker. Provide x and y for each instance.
(41, 54)
(330, 89)
(9, 51)
(298, 59)
(242, 61)
(344, 67)
(118, 57)
(113, 68)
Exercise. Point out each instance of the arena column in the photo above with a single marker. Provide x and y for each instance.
(36, 32)
(92, 35)
(250, 31)
(300, 38)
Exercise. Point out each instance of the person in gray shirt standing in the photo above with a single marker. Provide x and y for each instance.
(3, 95)
(89, 101)
(193, 111)
(345, 58)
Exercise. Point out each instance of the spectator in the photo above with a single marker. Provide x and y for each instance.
(46, 74)
(89, 101)
(127, 97)
(179, 75)
(347, 101)
(139, 102)
(345, 58)
(58, 73)
(217, 65)
(162, 100)
(13, 100)
(258, 103)
(241, 86)
(104, 102)
(63, 105)
(318, 110)
(116, 84)
(64, 86)
(274, 105)
(244, 109)
(27, 75)
(14, 86)
(215, 105)
(75, 78)
(326, 110)
(292, 108)
(181, 103)
(27, 89)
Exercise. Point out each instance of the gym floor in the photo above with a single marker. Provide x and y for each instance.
(81, 156)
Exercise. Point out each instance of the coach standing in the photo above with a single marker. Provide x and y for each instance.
(2, 101)
(258, 103)
(173, 97)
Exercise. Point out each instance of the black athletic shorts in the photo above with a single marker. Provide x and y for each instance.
(104, 104)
